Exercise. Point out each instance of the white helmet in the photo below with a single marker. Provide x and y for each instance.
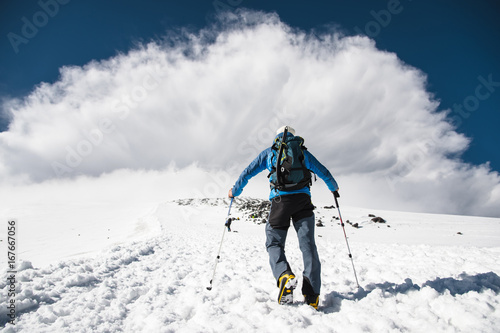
(282, 129)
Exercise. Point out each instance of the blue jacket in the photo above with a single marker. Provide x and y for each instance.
(264, 161)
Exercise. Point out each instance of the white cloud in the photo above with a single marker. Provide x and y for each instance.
(215, 99)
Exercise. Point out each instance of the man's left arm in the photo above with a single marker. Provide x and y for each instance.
(315, 166)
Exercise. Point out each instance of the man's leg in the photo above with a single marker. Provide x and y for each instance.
(312, 265)
(275, 244)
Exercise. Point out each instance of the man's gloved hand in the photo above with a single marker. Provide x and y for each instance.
(336, 194)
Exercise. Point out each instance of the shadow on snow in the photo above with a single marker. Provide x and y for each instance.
(464, 284)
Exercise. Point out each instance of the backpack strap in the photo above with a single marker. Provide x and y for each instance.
(280, 154)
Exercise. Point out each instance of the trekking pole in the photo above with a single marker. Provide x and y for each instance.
(220, 246)
(336, 195)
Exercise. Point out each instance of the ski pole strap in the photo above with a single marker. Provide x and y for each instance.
(335, 196)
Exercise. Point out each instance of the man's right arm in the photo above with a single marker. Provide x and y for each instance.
(258, 165)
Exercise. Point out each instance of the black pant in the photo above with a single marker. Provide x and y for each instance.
(294, 206)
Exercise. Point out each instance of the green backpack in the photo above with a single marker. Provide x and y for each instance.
(289, 172)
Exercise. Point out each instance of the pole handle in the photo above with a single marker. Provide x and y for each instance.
(335, 196)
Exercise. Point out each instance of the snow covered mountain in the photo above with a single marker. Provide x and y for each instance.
(145, 268)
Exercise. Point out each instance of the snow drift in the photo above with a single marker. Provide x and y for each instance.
(417, 274)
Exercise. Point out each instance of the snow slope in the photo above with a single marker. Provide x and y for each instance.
(416, 272)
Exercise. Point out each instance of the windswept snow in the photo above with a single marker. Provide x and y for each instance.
(417, 274)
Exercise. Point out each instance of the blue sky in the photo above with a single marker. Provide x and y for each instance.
(454, 42)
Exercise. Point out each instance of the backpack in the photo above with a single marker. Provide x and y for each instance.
(289, 172)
